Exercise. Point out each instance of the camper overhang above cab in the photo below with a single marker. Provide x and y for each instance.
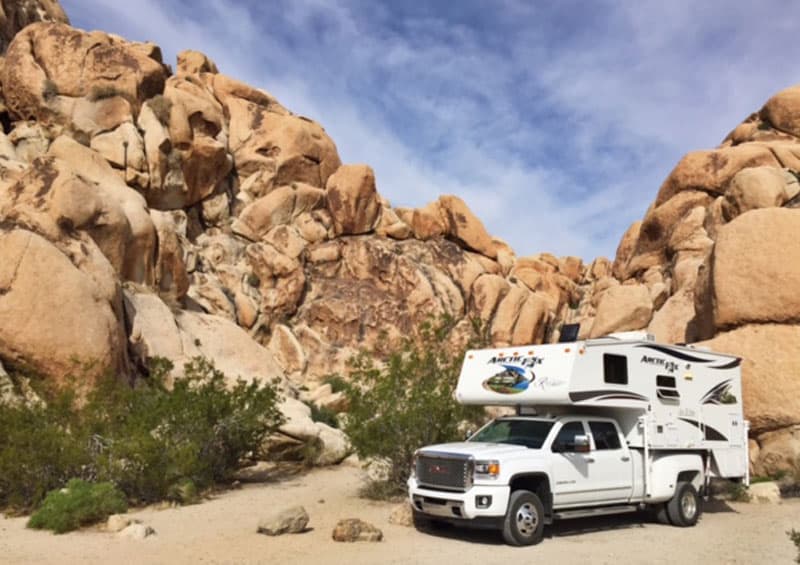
(528, 375)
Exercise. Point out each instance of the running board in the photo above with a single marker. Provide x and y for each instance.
(599, 511)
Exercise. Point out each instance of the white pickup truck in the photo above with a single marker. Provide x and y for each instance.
(517, 474)
(630, 424)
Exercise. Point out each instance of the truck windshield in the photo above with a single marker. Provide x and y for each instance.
(530, 433)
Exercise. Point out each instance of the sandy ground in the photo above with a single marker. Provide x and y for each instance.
(223, 530)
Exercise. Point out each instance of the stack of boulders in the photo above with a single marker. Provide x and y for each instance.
(713, 262)
(148, 213)
(145, 213)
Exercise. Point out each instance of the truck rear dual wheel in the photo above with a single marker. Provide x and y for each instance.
(524, 521)
(684, 508)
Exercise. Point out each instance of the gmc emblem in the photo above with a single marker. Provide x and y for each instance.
(438, 469)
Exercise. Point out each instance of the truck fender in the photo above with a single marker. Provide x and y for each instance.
(538, 483)
(670, 469)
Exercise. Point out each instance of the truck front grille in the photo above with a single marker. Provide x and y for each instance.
(444, 471)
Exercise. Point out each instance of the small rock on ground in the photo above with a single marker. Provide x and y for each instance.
(768, 492)
(289, 521)
(137, 531)
(353, 529)
(118, 522)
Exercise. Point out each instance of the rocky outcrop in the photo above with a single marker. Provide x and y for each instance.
(15, 15)
(60, 309)
(715, 253)
(238, 234)
(49, 66)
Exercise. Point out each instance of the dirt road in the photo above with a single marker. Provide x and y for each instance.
(223, 530)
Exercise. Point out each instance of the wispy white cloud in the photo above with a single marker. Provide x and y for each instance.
(556, 122)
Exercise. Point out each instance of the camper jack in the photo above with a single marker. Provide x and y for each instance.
(602, 426)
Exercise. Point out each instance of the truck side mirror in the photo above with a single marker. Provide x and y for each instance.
(468, 434)
(582, 444)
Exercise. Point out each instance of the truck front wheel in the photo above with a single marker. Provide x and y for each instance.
(684, 508)
(524, 521)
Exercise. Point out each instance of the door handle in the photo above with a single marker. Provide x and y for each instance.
(589, 459)
(625, 458)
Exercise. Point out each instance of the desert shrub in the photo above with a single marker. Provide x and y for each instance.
(49, 89)
(738, 492)
(338, 384)
(153, 441)
(794, 535)
(323, 415)
(405, 403)
(42, 446)
(153, 438)
(79, 504)
(103, 91)
(161, 107)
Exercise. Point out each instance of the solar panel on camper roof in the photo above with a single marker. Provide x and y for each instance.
(569, 332)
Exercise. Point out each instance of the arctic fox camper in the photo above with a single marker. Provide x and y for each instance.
(602, 426)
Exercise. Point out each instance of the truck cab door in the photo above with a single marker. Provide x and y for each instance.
(611, 471)
(570, 469)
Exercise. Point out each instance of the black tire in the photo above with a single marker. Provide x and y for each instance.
(524, 521)
(684, 508)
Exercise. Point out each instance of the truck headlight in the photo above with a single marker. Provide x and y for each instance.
(484, 469)
(414, 464)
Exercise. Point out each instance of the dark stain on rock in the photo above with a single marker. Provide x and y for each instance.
(716, 162)
(47, 172)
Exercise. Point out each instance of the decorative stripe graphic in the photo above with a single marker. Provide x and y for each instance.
(731, 365)
(676, 354)
(711, 434)
(604, 395)
(720, 394)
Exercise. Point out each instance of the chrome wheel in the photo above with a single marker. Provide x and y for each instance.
(688, 505)
(527, 519)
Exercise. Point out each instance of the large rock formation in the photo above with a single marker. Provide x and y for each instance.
(146, 214)
(16, 14)
(716, 251)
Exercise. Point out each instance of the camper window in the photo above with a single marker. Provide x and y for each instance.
(666, 389)
(615, 368)
(565, 440)
(605, 435)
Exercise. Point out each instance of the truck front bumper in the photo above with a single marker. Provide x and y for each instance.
(467, 505)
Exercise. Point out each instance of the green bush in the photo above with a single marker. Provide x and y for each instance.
(153, 441)
(738, 492)
(405, 403)
(152, 438)
(79, 504)
(42, 446)
(794, 535)
(323, 415)
(338, 384)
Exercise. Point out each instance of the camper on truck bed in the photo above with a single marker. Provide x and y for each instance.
(603, 426)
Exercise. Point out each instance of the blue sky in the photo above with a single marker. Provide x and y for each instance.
(555, 120)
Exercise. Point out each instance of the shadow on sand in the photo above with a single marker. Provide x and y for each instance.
(567, 528)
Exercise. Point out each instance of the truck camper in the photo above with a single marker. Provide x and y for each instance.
(602, 426)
